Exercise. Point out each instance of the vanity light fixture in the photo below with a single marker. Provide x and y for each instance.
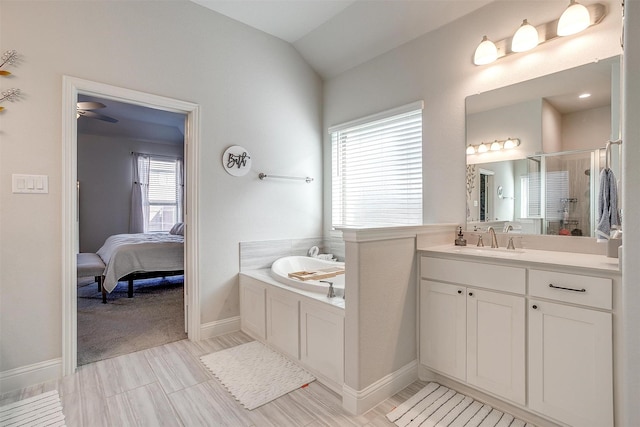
(527, 37)
(584, 95)
(486, 52)
(574, 19)
(497, 145)
(511, 143)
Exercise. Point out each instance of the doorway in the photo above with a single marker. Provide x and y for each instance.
(72, 89)
(115, 140)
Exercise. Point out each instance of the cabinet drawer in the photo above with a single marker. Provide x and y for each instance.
(571, 288)
(496, 277)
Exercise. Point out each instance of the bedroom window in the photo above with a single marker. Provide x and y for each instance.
(377, 169)
(157, 195)
(163, 199)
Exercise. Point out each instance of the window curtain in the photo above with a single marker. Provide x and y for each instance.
(138, 218)
(180, 190)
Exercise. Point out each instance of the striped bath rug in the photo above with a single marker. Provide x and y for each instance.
(254, 374)
(42, 410)
(439, 406)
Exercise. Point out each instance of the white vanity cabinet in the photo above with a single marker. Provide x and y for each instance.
(536, 333)
(474, 329)
(570, 348)
(443, 328)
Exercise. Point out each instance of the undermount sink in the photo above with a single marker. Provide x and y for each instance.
(487, 251)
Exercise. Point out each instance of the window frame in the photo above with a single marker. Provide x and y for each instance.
(334, 134)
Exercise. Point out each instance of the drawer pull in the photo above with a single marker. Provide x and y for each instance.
(551, 285)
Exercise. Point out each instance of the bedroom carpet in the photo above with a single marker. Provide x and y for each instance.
(154, 316)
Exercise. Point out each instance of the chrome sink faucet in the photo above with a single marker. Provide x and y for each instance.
(494, 239)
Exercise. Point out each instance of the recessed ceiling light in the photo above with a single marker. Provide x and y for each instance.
(584, 95)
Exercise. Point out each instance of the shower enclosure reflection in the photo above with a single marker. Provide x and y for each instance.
(542, 194)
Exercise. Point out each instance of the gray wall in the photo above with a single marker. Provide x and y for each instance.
(105, 173)
(253, 90)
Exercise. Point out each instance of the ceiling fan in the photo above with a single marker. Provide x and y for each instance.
(84, 110)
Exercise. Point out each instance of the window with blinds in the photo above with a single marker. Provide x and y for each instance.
(163, 194)
(377, 170)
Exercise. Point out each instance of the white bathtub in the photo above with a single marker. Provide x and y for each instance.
(282, 267)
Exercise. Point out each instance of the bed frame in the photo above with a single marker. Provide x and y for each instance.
(138, 276)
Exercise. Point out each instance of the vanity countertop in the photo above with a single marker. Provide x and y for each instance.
(549, 258)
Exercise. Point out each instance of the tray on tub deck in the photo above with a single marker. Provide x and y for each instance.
(321, 273)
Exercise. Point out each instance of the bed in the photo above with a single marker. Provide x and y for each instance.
(140, 256)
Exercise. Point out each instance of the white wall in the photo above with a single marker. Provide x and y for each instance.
(586, 129)
(105, 173)
(522, 120)
(254, 90)
(631, 203)
(438, 69)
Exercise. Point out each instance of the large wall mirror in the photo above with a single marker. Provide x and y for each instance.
(535, 150)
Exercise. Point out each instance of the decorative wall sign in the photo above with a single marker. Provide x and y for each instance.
(236, 160)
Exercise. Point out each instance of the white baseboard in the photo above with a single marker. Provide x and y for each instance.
(219, 327)
(26, 376)
(360, 401)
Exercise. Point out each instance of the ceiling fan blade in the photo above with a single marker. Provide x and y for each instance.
(89, 105)
(92, 115)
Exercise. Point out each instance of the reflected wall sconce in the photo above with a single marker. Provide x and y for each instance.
(497, 145)
(575, 18)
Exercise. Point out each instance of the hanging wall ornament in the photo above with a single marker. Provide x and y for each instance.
(236, 160)
(8, 58)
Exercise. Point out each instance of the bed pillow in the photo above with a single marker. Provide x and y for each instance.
(178, 229)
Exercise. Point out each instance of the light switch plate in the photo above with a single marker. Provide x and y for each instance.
(30, 184)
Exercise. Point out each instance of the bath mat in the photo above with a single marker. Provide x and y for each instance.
(254, 374)
(42, 410)
(439, 406)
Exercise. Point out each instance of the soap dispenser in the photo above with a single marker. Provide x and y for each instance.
(460, 241)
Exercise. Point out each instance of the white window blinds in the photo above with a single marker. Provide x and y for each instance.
(377, 170)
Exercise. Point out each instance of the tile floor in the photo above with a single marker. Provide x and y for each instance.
(168, 386)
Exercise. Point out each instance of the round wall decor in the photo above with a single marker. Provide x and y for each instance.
(236, 160)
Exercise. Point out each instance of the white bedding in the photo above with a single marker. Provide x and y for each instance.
(132, 253)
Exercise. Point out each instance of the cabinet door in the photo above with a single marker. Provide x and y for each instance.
(496, 343)
(570, 364)
(443, 328)
(282, 322)
(322, 341)
(252, 308)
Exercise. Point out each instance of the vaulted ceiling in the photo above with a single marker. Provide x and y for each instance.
(336, 35)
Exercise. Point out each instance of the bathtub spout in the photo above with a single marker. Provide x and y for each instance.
(331, 293)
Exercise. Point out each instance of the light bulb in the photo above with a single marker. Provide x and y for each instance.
(482, 148)
(511, 143)
(471, 150)
(495, 146)
(574, 19)
(526, 38)
(486, 52)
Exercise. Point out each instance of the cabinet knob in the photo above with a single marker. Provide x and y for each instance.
(459, 291)
(534, 306)
(470, 294)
